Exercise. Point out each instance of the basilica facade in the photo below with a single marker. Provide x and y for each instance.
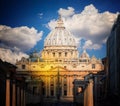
(53, 72)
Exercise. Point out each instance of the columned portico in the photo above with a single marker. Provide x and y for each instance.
(10, 88)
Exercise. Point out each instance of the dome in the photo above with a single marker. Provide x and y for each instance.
(60, 36)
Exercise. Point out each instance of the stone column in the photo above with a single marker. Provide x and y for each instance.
(55, 86)
(68, 85)
(21, 96)
(13, 94)
(90, 90)
(95, 91)
(49, 88)
(85, 97)
(46, 90)
(62, 87)
(8, 90)
(40, 91)
(71, 86)
(18, 96)
(24, 103)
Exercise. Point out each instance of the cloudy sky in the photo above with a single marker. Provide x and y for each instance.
(24, 24)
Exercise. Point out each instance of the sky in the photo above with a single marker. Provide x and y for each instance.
(24, 24)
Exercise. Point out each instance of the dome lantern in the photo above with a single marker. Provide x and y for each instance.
(60, 23)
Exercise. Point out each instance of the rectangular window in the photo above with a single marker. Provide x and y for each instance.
(64, 66)
(65, 54)
(23, 66)
(52, 84)
(59, 54)
(80, 60)
(74, 65)
(53, 54)
(65, 84)
(93, 66)
(65, 92)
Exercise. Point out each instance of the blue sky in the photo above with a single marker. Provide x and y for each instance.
(25, 23)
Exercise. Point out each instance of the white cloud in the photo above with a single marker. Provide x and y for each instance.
(89, 45)
(11, 56)
(15, 41)
(88, 25)
(51, 25)
(89, 10)
(66, 12)
(20, 38)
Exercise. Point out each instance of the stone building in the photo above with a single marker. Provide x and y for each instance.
(58, 65)
(113, 56)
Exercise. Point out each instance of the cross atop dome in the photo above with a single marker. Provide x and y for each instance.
(60, 23)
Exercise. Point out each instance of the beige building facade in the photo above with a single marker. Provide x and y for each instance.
(58, 64)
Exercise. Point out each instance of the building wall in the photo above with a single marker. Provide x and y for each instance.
(113, 53)
(48, 73)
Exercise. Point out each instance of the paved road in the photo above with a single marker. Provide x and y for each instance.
(59, 104)
(55, 104)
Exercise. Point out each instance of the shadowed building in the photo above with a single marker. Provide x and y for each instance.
(58, 65)
(12, 88)
(113, 55)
